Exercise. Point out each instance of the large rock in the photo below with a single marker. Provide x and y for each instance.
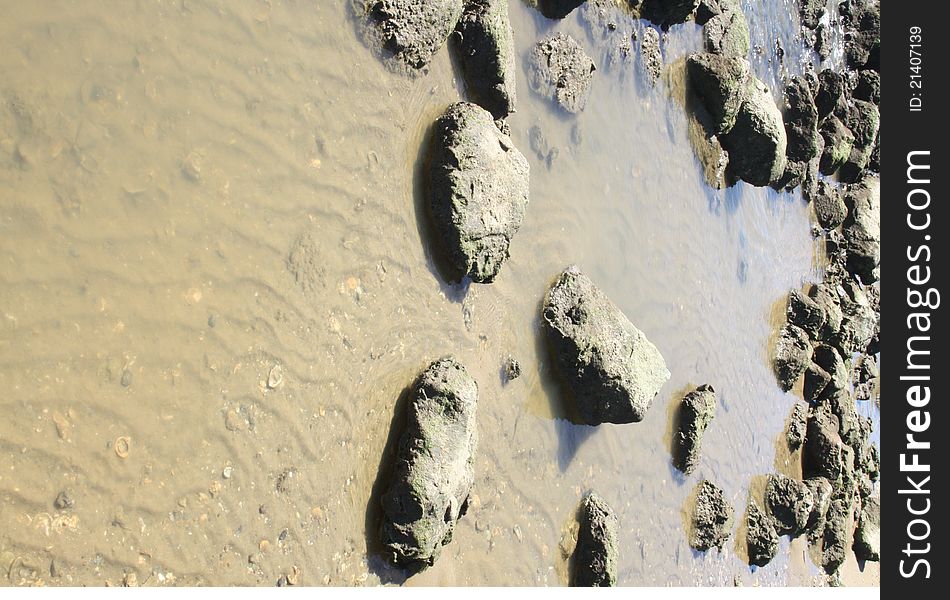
(792, 355)
(610, 365)
(559, 69)
(867, 537)
(804, 312)
(478, 190)
(859, 320)
(597, 554)
(728, 34)
(667, 12)
(831, 96)
(487, 53)
(862, 229)
(695, 413)
(406, 33)
(830, 360)
(558, 9)
(790, 503)
(826, 297)
(757, 142)
(761, 537)
(721, 84)
(712, 518)
(868, 87)
(823, 455)
(433, 474)
(801, 121)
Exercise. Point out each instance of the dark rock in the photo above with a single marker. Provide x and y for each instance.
(862, 229)
(830, 209)
(559, 69)
(839, 141)
(811, 12)
(797, 425)
(558, 9)
(512, 369)
(834, 543)
(478, 190)
(433, 472)
(610, 365)
(863, 121)
(650, 54)
(790, 502)
(867, 537)
(707, 9)
(695, 413)
(859, 319)
(823, 455)
(816, 383)
(667, 12)
(805, 313)
(865, 375)
(874, 298)
(821, 492)
(64, 500)
(721, 84)
(861, 20)
(487, 53)
(597, 555)
(406, 33)
(801, 121)
(827, 298)
(831, 96)
(792, 355)
(711, 518)
(822, 42)
(757, 142)
(868, 87)
(828, 358)
(727, 34)
(761, 537)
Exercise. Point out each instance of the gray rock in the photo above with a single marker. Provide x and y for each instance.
(757, 142)
(790, 503)
(559, 69)
(610, 365)
(761, 537)
(650, 55)
(487, 54)
(792, 355)
(865, 375)
(597, 555)
(797, 425)
(834, 541)
(695, 413)
(801, 121)
(828, 358)
(805, 313)
(712, 518)
(859, 320)
(727, 34)
(862, 229)
(830, 209)
(827, 298)
(406, 33)
(816, 384)
(821, 492)
(863, 119)
(839, 142)
(823, 455)
(721, 84)
(867, 537)
(478, 190)
(433, 473)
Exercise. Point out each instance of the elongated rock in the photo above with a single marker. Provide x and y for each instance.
(792, 355)
(596, 557)
(696, 412)
(711, 518)
(610, 365)
(433, 473)
(761, 537)
(867, 537)
(478, 190)
(487, 53)
(406, 33)
(559, 69)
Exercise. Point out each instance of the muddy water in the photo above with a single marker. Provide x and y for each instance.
(215, 284)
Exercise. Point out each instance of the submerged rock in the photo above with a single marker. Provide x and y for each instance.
(433, 473)
(757, 142)
(792, 355)
(487, 53)
(559, 69)
(790, 503)
(862, 230)
(478, 190)
(711, 518)
(721, 84)
(596, 557)
(695, 413)
(867, 537)
(406, 33)
(610, 365)
(761, 537)
(727, 34)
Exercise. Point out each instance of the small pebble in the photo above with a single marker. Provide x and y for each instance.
(228, 471)
(64, 500)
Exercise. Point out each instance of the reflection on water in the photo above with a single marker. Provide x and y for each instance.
(210, 242)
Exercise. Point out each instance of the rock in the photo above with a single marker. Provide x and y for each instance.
(801, 121)
(828, 358)
(558, 9)
(805, 313)
(834, 541)
(859, 320)
(711, 518)
(433, 472)
(861, 20)
(487, 54)
(727, 34)
(478, 190)
(512, 369)
(831, 96)
(874, 298)
(667, 12)
(597, 555)
(811, 12)
(721, 84)
(650, 55)
(863, 121)
(821, 492)
(757, 142)
(839, 142)
(797, 424)
(823, 455)
(610, 26)
(559, 69)
(613, 370)
(792, 355)
(707, 9)
(64, 500)
(867, 537)
(862, 229)
(695, 413)
(817, 381)
(868, 87)
(790, 502)
(865, 375)
(830, 209)
(761, 537)
(827, 298)
(822, 44)
(406, 33)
